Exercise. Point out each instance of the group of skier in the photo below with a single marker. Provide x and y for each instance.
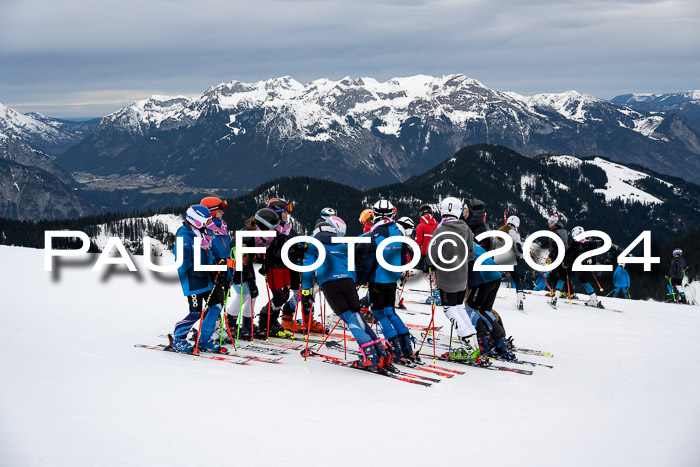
(466, 295)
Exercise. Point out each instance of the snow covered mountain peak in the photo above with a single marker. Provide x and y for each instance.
(570, 104)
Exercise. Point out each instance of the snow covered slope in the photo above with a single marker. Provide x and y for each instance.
(76, 392)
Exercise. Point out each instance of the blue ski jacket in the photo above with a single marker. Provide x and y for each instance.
(192, 282)
(333, 268)
(396, 254)
(477, 278)
(621, 277)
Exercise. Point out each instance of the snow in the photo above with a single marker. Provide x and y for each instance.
(617, 186)
(13, 122)
(75, 390)
(565, 160)
(647, 126)
(570, 104)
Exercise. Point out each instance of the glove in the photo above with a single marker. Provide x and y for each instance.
(306, 297)
(253, 288)
(548, 260)
(263, 270)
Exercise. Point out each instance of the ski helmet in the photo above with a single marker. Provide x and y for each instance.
(425, 209)
(279, 205)
(324, 226)
(213, 203)
(338, 224)
(266, 218)
(621, 264)
(553, 219)
(514, 221)
(366, 216)
(451, 206)
(577, 231)
(407, 224)
(327, 212)
(198, 215)
(383, 209)
(678, 251)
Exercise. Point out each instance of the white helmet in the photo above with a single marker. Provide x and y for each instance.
(338, 224)
(327, 212)
(333, 224)
(383, 209)
(451, 206)
(514, 221)
(576, 231)
(406, 225)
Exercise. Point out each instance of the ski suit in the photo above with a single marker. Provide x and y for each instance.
(621, 281)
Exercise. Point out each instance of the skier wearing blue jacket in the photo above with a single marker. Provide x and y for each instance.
(338, 285)
(197, 286)
(382, 282)
(621, 281)
(483, 287)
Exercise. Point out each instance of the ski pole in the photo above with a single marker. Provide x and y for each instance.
(329, 335)
(225, 321)
(228, 329)
(432, 318)
(269, 309)
(308, 331)
(546, 283)
(221, 328)
(673, 289)
(296, 310)
(596, 280)
(568, 289)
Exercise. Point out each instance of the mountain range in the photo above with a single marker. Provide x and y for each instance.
(360, 132)
(367, 133)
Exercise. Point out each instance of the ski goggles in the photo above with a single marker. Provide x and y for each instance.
(223, 205)
(279, 207)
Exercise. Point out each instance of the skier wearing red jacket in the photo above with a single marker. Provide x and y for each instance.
(424, 232)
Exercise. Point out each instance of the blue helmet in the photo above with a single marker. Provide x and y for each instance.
(198, 215)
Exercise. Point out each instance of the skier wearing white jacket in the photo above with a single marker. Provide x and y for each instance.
(511, 257)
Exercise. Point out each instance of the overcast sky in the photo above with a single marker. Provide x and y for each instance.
(80, 58)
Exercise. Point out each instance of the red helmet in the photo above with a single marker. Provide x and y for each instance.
(213, 203)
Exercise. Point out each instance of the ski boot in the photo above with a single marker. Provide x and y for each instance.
(406, 348)
(593, 301)
(180, 345)
(314, 325)
(288, 324)
(502, 350)
(510, 344)
(521, 297)
(469, 351)
(275, 328)
(247, 330)
(553, 302)
(395, 349)
(370, 358)
(210, 345)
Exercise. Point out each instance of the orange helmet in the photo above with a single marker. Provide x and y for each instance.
(366, 216)
(213, 203)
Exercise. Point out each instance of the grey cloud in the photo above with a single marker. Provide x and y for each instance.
(63, 47)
